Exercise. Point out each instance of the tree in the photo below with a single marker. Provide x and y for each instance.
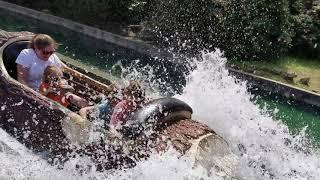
(244, 29)
(258, 30)
(306, 25)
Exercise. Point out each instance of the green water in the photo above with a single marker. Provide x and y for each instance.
(89, 53)
(296, 115)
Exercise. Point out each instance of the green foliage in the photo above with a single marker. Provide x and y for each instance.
(306, 25)
(92, 12)
(186, 25)
(246, 29)
(96, 11)
(257, 29)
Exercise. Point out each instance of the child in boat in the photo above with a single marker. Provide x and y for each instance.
(57, 88)
(133, 98)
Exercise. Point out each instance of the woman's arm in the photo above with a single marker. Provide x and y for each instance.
(22, 74)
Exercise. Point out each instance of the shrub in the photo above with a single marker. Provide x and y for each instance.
(246, 29)
(186, 25)
(306, 26)
(258, 30)
(91, 12)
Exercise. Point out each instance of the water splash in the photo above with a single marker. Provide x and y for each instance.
(264, 146)
(165, 77)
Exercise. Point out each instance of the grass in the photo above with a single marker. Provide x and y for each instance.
(302, 67)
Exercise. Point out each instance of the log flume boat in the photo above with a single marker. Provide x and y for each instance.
(43, 125)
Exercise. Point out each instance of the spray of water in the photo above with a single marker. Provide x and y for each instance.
(264, 146)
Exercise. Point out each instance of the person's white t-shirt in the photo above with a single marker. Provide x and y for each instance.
(28, 59)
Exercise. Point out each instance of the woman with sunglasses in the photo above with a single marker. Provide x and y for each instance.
(32, 62)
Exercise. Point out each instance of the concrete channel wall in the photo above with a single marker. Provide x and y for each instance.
(286, 90)
(150, 50)
(126, 42)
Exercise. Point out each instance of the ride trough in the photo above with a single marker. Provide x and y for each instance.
(43, 125)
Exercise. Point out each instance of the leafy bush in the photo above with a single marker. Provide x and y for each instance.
(246, 29)
(257, 29)
(186, 25)
(91, 12)
(306, 25)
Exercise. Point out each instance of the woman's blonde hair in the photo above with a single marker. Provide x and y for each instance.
(41, 41)
(49, 71)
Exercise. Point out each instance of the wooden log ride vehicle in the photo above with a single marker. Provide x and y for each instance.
(44, 125)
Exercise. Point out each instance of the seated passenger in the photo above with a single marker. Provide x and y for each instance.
(133, 98)
(57, 88)
(100, 111)
(32, 62)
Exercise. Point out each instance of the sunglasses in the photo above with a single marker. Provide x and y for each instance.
(47, 52)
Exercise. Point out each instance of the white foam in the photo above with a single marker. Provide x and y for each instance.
(265, 148)
(224, 105)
